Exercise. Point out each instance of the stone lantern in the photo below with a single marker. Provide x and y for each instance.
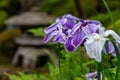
(31, 51)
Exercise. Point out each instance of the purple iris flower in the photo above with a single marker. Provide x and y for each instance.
(52, 30)
(83, 28)
(111, 49)
(61, 30)
(71, 31)
(67, 38)
(68, 21)
(93, 76)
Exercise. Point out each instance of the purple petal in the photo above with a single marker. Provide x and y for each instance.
(90, 28)
(84, 22)
(48, 37)
(94, 22)
(70, 23)
(93, 27)
(78, 38)
(111, 49)
(70, 16)
(76, 27)
(61, 20)
(93, 76)
(68, 46)
(58, 38)
(51, 28)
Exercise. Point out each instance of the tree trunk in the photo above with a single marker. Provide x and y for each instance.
(79, 8)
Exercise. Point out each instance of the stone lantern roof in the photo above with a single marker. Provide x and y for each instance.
(31, 18)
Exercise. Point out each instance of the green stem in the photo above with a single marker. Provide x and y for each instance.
(98, 70)
(118, 60)
(117, 71)
(59, 61)
(112, 20)
(90, 69)
(108, 61)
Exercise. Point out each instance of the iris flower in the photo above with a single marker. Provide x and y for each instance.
(82, 28)
(111, 49)
(93, 76)
(61, 30)
(95, 42)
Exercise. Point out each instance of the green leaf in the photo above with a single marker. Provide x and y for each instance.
(37, 32)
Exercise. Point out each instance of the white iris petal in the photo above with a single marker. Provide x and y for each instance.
(111, 32)
(95, 43)
(88, 46)
(94, 46)
(101, 30)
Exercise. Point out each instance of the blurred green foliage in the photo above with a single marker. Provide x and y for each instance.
(105, 19)
(7, 8)
(7, 43)
(3, 3)
(117, 23)
(74, 66)
(59, 7)
(3, 13)
(9, 35)
(113, 4)
(88, 7)
(37, 32)
(3, 17)
(23, 76)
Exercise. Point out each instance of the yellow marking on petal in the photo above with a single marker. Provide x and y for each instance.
(96, 37)
(67, 36)
(97, 40)
(87, 26)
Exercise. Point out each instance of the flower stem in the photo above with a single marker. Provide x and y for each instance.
(59, 61)
(118, 60)
(90, 69)
(98, 70)
(109, 12)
